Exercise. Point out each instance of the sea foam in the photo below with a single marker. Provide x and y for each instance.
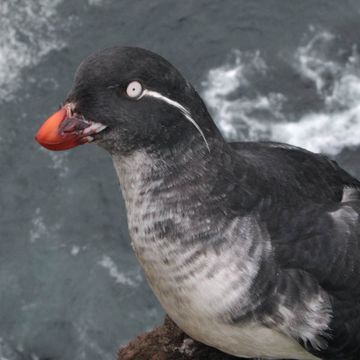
(27, 33)
(337, 83)
(130, 279)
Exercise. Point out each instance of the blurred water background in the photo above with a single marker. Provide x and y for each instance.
(70, 286)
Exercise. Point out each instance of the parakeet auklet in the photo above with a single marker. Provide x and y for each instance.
(252, 248)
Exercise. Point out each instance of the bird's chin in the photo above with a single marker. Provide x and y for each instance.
(66, 129)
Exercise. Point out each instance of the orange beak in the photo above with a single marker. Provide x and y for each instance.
(61, 131)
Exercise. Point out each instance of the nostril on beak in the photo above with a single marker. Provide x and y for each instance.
(70, 109)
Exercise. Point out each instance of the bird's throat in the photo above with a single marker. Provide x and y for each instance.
(183, 238)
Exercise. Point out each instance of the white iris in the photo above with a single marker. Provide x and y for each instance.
(134, 89)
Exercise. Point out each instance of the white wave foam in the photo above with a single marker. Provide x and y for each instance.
(337, 82)
(241, 116)
(59, 161)
(75, 250)
(5, 352)
(87, 340)
(338, 124)
(27, 33)
(130, 279)
(311, 59)
(38, 228)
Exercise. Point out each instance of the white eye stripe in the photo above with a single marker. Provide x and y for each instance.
(174, 103)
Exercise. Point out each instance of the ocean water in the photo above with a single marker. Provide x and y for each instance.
(330, 126)
(70, 285)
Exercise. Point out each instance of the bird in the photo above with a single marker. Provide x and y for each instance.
(252, 248)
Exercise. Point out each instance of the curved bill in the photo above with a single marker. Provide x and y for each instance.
(61, 131)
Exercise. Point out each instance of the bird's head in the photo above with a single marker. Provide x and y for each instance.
(125, 99)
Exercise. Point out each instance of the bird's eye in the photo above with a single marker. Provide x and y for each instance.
(134, 89)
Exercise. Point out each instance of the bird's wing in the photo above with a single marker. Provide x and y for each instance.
(324, 242)
(317, 233)
(323, 221)
(298, 173)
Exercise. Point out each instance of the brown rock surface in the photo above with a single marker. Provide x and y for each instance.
(168, 342)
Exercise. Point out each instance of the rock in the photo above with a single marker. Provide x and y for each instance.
(168, 342)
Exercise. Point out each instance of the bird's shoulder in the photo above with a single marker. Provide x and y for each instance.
(277, 168)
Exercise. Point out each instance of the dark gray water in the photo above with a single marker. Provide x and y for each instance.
(70, 285)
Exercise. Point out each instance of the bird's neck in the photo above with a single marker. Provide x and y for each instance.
(179, 222)
(173, 178)
(168, 198)
(185, 197)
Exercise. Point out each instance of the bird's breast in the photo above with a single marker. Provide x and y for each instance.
(199, 267)
(202, 265)
(199, 262)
